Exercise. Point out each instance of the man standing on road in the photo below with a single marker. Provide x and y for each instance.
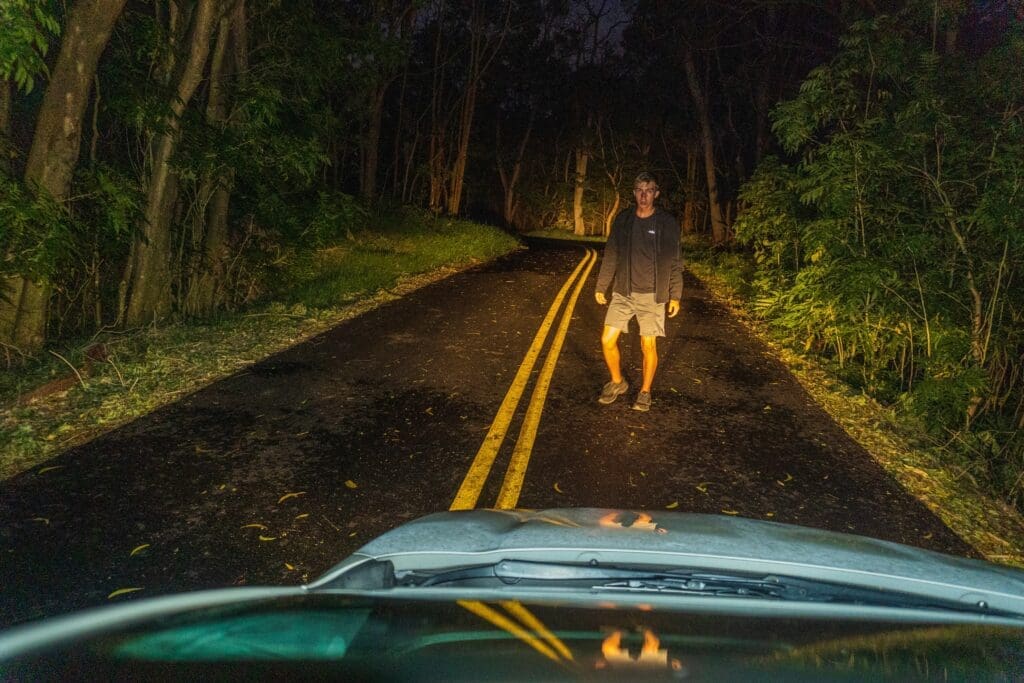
(644, 269)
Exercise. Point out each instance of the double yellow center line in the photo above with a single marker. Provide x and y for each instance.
(469, 492)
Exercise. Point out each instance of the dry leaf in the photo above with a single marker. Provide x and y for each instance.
(351, 484)
(122, 591)
(290, 567)
(302, 516)
(290, 495)
(558, 488)
(261, 527)
(138, 549)
(47, 469)
(673, 505)
(703, 486)
(268, 538)
(730, 512)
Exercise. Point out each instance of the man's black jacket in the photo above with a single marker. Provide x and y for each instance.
(668, 271)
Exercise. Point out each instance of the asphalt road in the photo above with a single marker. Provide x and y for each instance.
(274, 474)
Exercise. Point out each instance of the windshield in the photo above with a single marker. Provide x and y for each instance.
(513, 640)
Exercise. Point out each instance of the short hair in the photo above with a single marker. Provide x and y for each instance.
(645, 177)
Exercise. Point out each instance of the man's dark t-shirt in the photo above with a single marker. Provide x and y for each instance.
(643, 242)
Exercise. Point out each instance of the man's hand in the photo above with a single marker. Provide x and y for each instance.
(673, 308)
(601, 300)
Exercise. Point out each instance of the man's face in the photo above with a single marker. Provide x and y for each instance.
(645, 194)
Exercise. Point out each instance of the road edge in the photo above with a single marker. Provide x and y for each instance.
(990, 526)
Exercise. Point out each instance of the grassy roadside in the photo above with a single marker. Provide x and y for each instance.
(148, 368)
(556, 234)
(929, 473)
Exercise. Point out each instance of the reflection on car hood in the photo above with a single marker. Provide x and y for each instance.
(686, 540)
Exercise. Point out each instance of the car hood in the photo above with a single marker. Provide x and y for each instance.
(686, 540)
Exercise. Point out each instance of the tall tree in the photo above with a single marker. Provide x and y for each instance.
(147, 270)
(56, 144)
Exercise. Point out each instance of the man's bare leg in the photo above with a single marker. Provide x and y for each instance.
(610, 347)
(649, 346)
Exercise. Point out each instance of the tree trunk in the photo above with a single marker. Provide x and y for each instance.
(510, 179)
(208, 271)
(718, 227)
(458, 173)
(610, 218)
(690, 205)
(371, 146)
(55, 150)
(582, 156)
(150, 279)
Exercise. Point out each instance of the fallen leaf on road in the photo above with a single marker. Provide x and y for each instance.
(703, 486)
(138, 549)
(671, 506)
(767, 408)
(730, 512)
(122, 591)
(697, 380)
(429, 411)
(290, 495)
(47, 469)
(558, 488)
(353, 534)
(351, 484)
(44, 520)
(268, 538)
(769, 514)
(290, 568)
(261, 527)
(302, 516)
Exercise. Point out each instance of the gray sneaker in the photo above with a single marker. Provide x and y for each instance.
(612, 391)
(642, 402)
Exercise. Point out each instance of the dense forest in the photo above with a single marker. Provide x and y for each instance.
(862, 161)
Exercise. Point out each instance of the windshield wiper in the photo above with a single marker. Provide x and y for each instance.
(682, 582)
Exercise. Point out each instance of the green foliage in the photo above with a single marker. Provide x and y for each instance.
(34, 232)
(28, 28)
(893, 243)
